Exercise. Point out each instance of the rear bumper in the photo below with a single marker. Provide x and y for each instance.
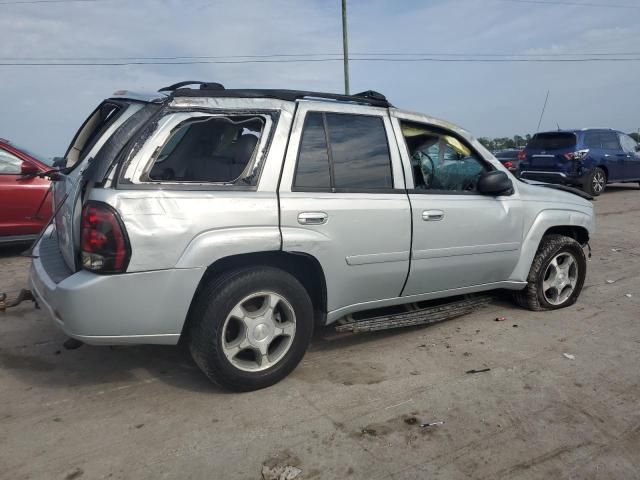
(554, 177)
(141, 307)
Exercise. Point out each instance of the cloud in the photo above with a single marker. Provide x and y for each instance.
(42, 107)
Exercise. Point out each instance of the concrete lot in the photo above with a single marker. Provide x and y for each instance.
(347, 411)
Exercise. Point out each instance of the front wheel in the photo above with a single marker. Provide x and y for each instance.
(250, 328)
(557, 275)
(596, 182)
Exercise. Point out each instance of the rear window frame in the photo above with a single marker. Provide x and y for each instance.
(130, 152)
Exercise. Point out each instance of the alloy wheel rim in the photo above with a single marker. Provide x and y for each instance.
(259, 331)
(560, 278)
(598, 182)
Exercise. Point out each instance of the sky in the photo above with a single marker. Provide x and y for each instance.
(41, 107)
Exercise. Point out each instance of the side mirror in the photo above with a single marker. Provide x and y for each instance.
(495, 183)
(28, 168)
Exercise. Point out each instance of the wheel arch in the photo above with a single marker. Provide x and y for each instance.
(304, 267)
(572, 223)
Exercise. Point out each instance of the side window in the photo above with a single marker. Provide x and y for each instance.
(312, 170)
(609, 141)
(439, 161)
(9, 163)
(216, 149)
(359, 151)
(592, 140)
(629, 145)
(356, 157)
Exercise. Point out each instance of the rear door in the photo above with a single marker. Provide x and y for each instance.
(343, 201)
(86, 144)
(630, 148)
(615, 159)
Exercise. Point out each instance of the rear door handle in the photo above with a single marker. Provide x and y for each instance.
(312, 218)
(432, 215)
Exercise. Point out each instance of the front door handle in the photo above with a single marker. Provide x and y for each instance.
(432, 215)
(312, 218)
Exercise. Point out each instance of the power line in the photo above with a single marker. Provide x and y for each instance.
(303, 56)
(313, 60)
(29, 2)
(573, 4)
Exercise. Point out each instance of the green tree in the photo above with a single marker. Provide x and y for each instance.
(635, 136)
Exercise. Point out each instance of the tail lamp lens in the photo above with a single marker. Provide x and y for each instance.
(104, 243)
(522, 155)
(579, 155)
(508, 164)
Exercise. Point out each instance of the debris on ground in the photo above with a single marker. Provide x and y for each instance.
(616, 250)
(478, 371)
(411, 420)
(515, 325)
(500, 319)
(432, 424)
(286, 472)
(628, 295)
(569, 356)
(611, 281)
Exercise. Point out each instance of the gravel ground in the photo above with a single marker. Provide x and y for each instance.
(353, 408)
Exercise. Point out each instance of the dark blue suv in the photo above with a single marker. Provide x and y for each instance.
(588, 158)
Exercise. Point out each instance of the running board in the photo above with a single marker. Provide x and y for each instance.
(416, 316)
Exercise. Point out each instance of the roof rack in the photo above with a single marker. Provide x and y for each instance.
(203, 86)
(212, 89)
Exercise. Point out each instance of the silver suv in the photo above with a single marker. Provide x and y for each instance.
(236, 220)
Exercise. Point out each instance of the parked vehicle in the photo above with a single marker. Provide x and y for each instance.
(510, 159)
(25, 202)
(236, 220)
(589, 158)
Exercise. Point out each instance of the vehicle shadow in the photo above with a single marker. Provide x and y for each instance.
(7, 251)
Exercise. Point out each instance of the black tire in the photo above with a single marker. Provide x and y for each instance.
(532, 296)
(217, 297)
(593, 184)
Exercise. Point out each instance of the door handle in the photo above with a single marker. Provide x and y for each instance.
(432, 215)
(312, 218)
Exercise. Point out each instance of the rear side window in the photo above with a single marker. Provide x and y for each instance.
(552, 141)
(216, 149)
(343, 151)
(592, 140)
(609, 141)
(9, 163)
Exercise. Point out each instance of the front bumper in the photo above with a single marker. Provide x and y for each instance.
(139, 307)
(554, 177)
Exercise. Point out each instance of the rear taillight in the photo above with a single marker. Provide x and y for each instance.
(508, 164)
(579, 155)
(522, 155)
(104, 243)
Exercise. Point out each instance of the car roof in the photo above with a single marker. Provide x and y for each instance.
(580, 130)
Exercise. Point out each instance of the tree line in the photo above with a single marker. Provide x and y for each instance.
(519, 141)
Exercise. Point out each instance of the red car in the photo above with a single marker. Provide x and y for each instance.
(25, 200)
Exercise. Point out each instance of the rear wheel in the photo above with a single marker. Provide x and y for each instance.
(557, 275)
(250, 328)
(596, 182)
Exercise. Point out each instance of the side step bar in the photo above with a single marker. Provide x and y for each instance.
(418, 316)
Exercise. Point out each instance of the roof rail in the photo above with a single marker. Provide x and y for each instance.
(203, 86)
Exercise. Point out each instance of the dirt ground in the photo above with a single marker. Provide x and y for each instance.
(353, 408)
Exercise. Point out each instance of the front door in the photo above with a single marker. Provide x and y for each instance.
(343, 201)
(460, 237)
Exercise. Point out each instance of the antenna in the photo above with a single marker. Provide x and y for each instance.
(558, 126)
(543, 108)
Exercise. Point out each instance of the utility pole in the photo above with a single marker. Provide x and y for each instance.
(345, 47)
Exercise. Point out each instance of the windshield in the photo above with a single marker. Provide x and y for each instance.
(552, 141)
(40, 158)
